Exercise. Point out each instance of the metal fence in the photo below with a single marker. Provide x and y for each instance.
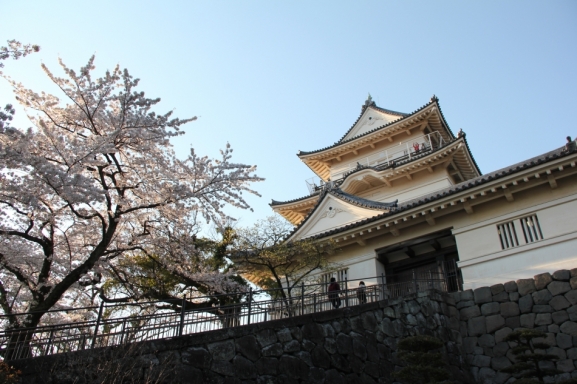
(115, 324)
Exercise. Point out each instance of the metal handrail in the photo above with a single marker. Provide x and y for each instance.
(252, 307)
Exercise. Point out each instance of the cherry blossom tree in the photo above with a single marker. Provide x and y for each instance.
(96, 181)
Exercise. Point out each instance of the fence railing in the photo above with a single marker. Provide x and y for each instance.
(115, 324)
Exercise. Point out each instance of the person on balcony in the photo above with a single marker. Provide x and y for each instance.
(416, 147)
(362, 293)
(334, 290)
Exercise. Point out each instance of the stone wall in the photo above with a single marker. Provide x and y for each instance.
(348, 345)
(547, 302)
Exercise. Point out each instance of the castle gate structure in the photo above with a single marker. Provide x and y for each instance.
(402, 197)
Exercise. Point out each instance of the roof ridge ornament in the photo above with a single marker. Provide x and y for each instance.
(461, 133)
(368, 103)
(434, 98)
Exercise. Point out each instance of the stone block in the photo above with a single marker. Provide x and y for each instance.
(528, 320)
(572, 312)
(248, 346)
(560, 317)
(500, 349)
(244, 368)
(514, 296)
(266, 337)
(526, 304)
(498, 363)
(501, 334)
(562, 275)
(481, 361)
(501, 297)
(482, 295)
(573, 272)
(344, 344)
(369, 321)
(267, 366)
(542, 309)
(476, 326)
(497, 288)
(513, 322)
(564, 341)
(292, 346)
(560, 353)
(320, 357)
(314, 332)
(510, 286)
(526, 286)
(487, 375)
(573, 282)
(495, 322)
(306, 357)
(553, 328)
(566, 365)
(330, 346)
(560, 302)
(509, 309)
(470, 312)
(542, 280)
(465, 304)
(272, 350)
(569, 327)
(488, 309)
(542, 297)
(223, 367)
(293, 367)
(571, 296)
(222, 350)
(467, 295)
(197, 357)
(543, 319)
(559, 287)
(486, 341)
(572, 353)
(284, 334)
(469, 344)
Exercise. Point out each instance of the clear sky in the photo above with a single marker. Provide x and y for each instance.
(275, 77)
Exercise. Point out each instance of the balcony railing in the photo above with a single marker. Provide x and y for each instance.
(115, 324)
(404, 151)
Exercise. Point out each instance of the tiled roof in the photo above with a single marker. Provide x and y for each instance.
(351, 199)
(274, 202)
(404, 116)
(503, 172)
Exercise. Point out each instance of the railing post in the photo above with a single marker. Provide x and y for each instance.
(182, 309)
(314, 302)
(346, 292)
(302, 298)
(383, 286)
(49, 345)
(97, 324)
(408, 150)
(249, 304)
(414, 281)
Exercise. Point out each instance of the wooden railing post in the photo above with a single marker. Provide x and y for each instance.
(302, 298)
(346, 292)
(182, 309)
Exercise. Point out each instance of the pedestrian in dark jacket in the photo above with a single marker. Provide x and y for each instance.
(362, 293)
(334, 290)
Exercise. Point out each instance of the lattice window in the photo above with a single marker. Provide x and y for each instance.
(340, 275)
(508, 235)
(531, 229)
(508, 232)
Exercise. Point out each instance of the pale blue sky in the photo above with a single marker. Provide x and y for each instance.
(273, 78)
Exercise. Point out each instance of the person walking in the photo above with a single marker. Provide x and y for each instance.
(334, 290)
(362, 293)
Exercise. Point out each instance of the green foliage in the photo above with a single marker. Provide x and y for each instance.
(262, 254)
(8, 374)
(528, 357)
(424, 361)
